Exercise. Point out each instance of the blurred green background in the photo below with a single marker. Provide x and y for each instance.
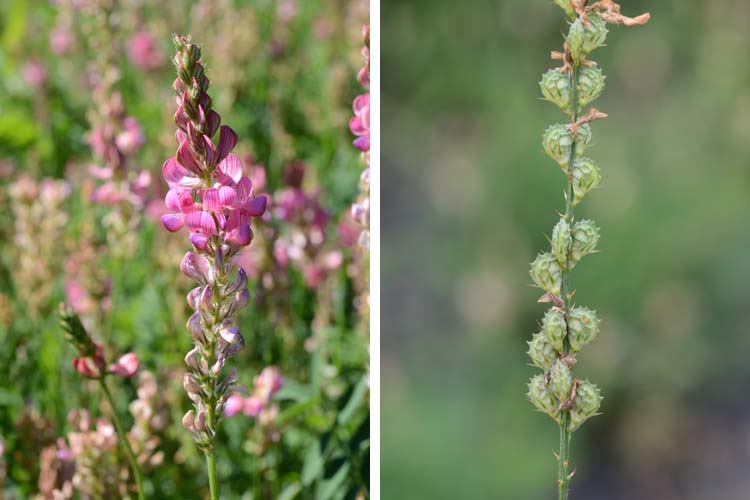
(467, 197)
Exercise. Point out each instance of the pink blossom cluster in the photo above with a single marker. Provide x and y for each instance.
(360, 123)
(144, 52)
(95, 366)
(265, 385)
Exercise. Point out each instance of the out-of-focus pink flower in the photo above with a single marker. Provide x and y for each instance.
(234, 405)
(126, 366)
(144, 53)
(360, 123)
(253, 406)
(108, 194)
(364, 74)
(60, 40)
(34, 73)
(348, 230)
(131, 138)
(268, 383)
(90, 366)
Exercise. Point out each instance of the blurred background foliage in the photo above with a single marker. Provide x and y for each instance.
(468, 196)
(283, 75)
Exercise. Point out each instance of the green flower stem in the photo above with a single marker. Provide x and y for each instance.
(564, 458)
(124, 440)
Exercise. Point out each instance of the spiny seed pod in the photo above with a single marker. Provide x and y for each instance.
(555, 87)
(540, 395)
(541, 352)
(585, 37)
(553, 328)
(561, 241)
(585, 405)
(590, 84)
(561, 380)
(585, 237)
(558, 140)
(583, 327)
(546, 273)
(566, 6)
(586, 176)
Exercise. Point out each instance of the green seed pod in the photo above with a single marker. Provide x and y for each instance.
(590, 84)
(585, 405)
(553, 328)
(566, 6)
(595, 33)
(585, 236)
(561, 241)
(576, 35)
(586, 176)
(540, 395)
(558, 141)
(561, 380)
(541, 352)
(555, 87)
(583, 327)
(546, 273)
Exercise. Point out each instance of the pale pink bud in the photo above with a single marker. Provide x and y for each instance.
(253, 406)
(126, 366)
(234, 405)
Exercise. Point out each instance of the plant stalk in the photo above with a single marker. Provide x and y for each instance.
(564, 456)
(124, 441)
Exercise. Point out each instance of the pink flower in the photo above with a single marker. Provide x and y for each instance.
(144, 53)
(126, 366)
(90, 367)
(360, 123)
(268, 383)
(60, 40)
(253, 406)
(34, 73)
(234, 405)
(131, 138)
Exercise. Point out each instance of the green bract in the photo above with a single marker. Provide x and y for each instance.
(566, 6)
(555, 87)
(540, 395)
(583, 327)
(585, 405)
(546, 273)
(585, 176)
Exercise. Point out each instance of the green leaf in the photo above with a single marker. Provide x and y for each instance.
(313, 464)
(290, 491)
(358, 394)
(333, 485)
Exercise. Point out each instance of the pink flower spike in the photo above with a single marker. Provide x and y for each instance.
(229, 170)
(253, 406)
(234, 405)
(227, 142)
(126, 366)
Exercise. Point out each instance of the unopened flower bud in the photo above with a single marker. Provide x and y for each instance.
(586, 176)
(585, 405)
(585, 236)
(546, 273)
(553, 328)
(561, 380)
(561, 241)
(566, 6)
(541, 352)
(590, 84)
(200, 421)
(541, 397)
(191, 359)
(575, 40)
(207, 302)
(188, 421)
(190, 384)
(583, 327)
(555, 87)
(558, 141)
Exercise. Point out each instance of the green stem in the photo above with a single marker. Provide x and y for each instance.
(564, 457)
(213, 484)
(124, 441)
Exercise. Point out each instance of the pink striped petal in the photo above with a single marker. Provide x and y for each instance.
(212, 122)
(244, 190)
(210, 151)
(172, 200)
(186, 159)
(229, 170)
(227, 196)
(240, 236)
(211, 200)
(177, 176)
